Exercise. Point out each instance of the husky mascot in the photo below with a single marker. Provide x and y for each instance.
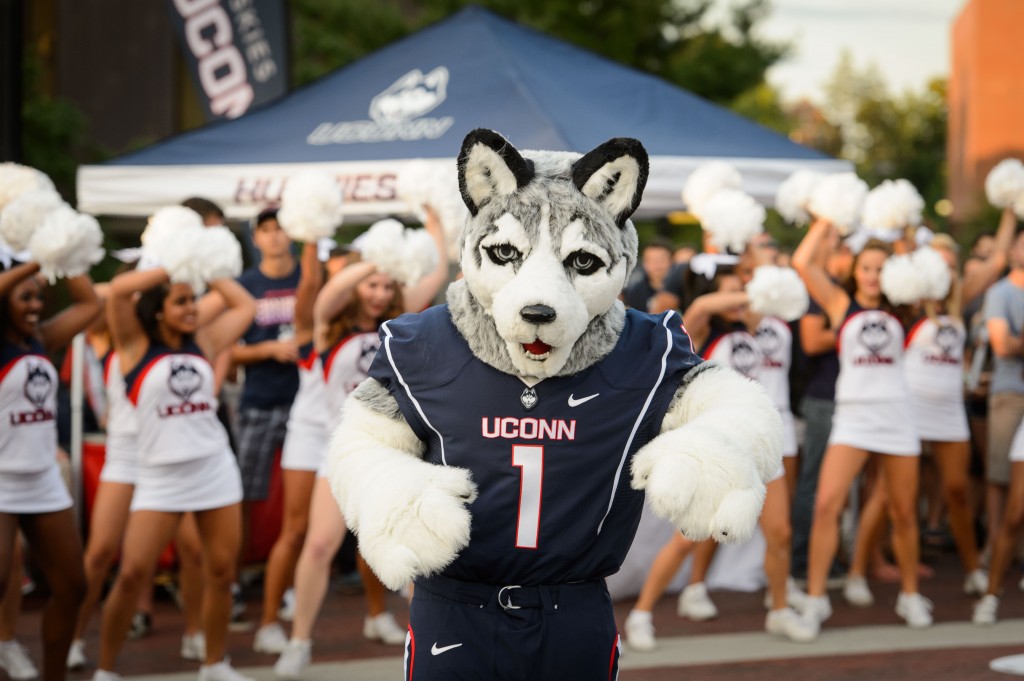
(499, 455)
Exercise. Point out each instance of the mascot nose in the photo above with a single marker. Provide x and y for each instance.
(538, 314)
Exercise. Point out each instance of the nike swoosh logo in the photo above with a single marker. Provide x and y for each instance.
(434, 650)
(573, 402)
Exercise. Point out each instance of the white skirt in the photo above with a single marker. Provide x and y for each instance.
(39, 492)
(120, 461)
(304, 448)
(940, 420)
(195, 485)
(882, 427)
(1017, 446)
(789, 445)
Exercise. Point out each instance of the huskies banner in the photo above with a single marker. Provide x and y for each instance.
(237, 50)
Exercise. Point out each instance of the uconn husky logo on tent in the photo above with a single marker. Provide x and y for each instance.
(396, 113)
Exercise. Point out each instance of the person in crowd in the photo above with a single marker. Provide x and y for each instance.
(165, 343)
(268, 354)
(655, 262)
(347, 314)
(719, 323)
(210, 212)
(872, 417)
(33, 496)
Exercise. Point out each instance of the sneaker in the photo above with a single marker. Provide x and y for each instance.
(270, 639)
(915, 609)
(193, 646)
(856, 592)
(817, 608)
(15, 661)
(104, 675)
(76, 654)
(640, 630)
(786, 622)
(795, 596)
(385, 629)
(142, 624)
(695, 604)
(985, 610)
(222, 671)
(976, 583)
(287, 610)
(294, 660)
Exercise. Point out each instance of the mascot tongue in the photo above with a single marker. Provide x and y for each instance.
(537, 347)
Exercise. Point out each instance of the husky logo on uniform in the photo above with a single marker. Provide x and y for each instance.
(875, 335)
(366, 355)
(38, 385)
(768, 340)
(948, 339)
(396, 113)
(184, 379)
(744, 357)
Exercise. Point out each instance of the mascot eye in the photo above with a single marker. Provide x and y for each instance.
(502, 254)
(583, 262)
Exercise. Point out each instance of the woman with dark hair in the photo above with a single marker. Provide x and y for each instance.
(33, 496)
(872, 417)
(166, 342)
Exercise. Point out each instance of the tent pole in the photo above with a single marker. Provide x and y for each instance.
(77, 393)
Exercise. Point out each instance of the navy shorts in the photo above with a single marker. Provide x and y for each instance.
(460, 631)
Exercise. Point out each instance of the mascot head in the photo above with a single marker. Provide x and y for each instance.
(546, 251)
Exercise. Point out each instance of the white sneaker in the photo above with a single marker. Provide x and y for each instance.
(786, 622)
(915, 609)
(385, 629)
(817, 609)
(695, 604)
(640, 631)
(294, 660)
(795, 596)
(104, 675)
(15, 661)
(287, 610)
(270, 639)
(193, 646)
(976, 583)
(856, 592)
(76, 654)
(985, 610)
(222, 671)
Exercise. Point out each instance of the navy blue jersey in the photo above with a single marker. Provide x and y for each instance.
(551, 462)
(270, 383)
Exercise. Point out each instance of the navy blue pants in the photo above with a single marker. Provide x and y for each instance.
(460, 631)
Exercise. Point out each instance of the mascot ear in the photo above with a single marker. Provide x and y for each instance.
(614, 174)
(490, 167)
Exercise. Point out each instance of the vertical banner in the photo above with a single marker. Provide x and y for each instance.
(236, 50)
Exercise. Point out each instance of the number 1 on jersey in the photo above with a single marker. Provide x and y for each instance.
(530, 460)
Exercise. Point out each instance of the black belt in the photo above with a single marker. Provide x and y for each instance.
(510, 596)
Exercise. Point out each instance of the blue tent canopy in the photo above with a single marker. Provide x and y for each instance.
(418, 97)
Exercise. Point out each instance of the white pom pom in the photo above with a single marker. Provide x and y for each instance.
(778, 292)
(67, 244)
(933, 271)
(732, 218)
(416, 185)
(221, 254)
(310, 206)
(16, 179)
(172, 240)
(1004, 185)
(708, 179)
(1018, 207)
(838, 198)
(893, 205)
(901, 283)
(419, 255)
(794, 194)
(25, 214)
(382, 245)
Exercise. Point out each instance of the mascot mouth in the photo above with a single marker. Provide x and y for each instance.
(538, 349)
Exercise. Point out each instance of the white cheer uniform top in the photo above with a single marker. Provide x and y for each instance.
(309, 410)
(934, 358)
(120, 411)
(346, 365)
(736, 349)
(175, 406)
(870, 348)
(775, 340)
(28, 409)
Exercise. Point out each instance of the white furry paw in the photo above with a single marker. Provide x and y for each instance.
(737, 515)
(417, 528)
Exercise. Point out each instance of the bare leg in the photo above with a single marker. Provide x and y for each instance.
(1005, 543)
(901, 477)
(665, 566)
(870, 529)
(10, 606)
(220, 530)
(374, 589)
(703, 554)
(298, 492)
(778, 535)
(190, 572)
(106, 530)
(954, 460)
(839, 469)
(792, 467)
(326, 532)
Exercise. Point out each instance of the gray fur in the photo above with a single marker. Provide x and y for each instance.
(477, 327)
(375, 397)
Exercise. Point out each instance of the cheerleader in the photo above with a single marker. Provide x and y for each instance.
(33, 496)
(165, 342)
(872, 416)
(719, 324)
